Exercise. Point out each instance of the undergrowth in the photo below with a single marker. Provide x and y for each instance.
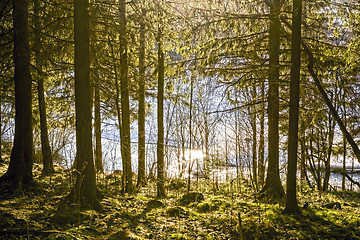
(225, 213)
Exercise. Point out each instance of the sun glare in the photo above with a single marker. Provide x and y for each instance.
(194, 154)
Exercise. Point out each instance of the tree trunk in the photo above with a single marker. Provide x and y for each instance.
(291, 205)
(262, 138)
(344, 154)
(97, 124)
(117, 106)
(254, 139)
(125, 105)
(160, 116)
(273, 188)
(328, 155)
(85, 190)
(48, 167)
(190, 131)
(141, 134)
(303, 156)
(19, 172)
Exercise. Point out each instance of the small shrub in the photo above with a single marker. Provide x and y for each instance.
(204, 207)
(176, 212)
(154, 204)
(190, 197)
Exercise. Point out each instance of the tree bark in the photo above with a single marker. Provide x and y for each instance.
(19, 172)
(141, 134)
(254, 139)
(160, 116)
(48, 166)
(97, 124)
(303, 156)
(262, 138)
(291, 204)
(84, 192)
(125, 105)
(273, 188)
(190, 132)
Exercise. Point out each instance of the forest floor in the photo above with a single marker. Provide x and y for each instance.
(223, 214)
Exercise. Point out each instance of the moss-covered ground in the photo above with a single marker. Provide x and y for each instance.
(225, 213)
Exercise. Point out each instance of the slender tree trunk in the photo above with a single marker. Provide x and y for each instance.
(328, 155)
(84, 192)
(97, 124)
(291, 205)
(125, 104)
(19, 172)
(160, 115)
(262, 138)
(95, 92)
(207, 147)
(303, 156)
(254, 139)
(344, 154)
(141, 134)
(237, 149)
(226, 155)
(190, 132)
(118, 110)
(48, 167)
(273, 188)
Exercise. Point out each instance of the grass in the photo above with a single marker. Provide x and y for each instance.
(221, 215)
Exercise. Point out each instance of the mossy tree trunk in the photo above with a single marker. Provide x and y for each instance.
(291, 205)
(273, 188)
(19, 172)
(141, 134)
(125, 105)
(84, 192)
(160, 116)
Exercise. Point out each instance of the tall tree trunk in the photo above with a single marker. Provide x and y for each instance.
(303, 156)
(273, 188)
(207, 147)
(84, 192)
(125, 105)
(291, 205)
(262, 138)
(237, 142)
(97, 124)
(190, 132)
(48, 167)
(254, 138)
(19, 172)
(328, 153)
(344, 154)
(95, 92)
(160, 116)
(141, 134)
(117, 107)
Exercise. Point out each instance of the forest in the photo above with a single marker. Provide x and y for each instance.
(157, 119)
